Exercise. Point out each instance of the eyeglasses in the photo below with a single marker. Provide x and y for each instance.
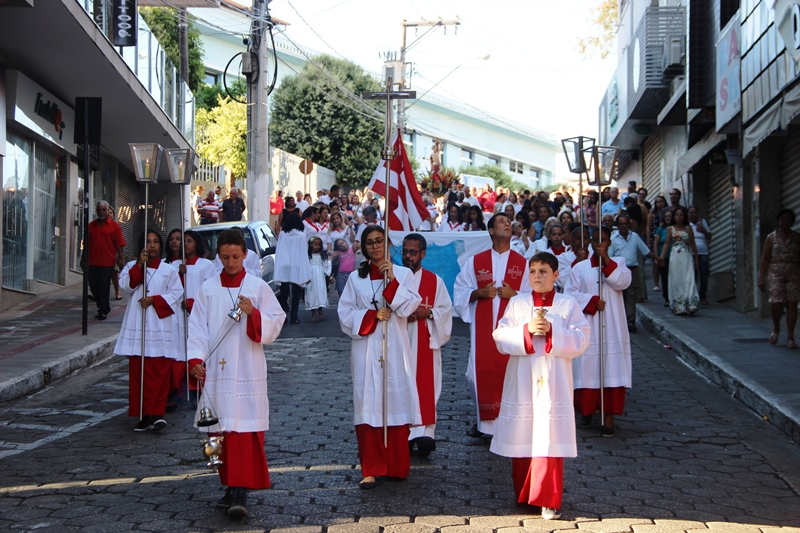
(412, 253)
(376, 242)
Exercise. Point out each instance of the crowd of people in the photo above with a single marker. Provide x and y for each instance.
(533, 302)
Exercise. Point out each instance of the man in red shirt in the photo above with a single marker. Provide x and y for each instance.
(276, 206)
(105, 252)
(209, 209)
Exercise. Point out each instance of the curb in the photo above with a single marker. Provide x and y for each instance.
(714, 368)
(40, 378)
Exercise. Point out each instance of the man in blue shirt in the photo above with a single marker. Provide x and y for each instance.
(614, 205)
(627, 244)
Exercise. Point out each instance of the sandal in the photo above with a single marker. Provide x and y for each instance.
(791, 344)
(773, 339)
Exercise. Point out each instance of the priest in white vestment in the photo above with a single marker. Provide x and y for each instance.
(607, 309)
(365, 305)
(429, 328)
(160, 302)
(482, 290)
(543, 332)
(228, 356)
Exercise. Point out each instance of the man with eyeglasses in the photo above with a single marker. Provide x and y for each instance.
(480, 296)
(429, 328)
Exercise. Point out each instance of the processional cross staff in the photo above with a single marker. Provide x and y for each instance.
(388, 154)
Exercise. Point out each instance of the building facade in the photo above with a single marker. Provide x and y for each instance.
(45, 189)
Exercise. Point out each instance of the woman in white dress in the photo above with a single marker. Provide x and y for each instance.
(454, 221)
(158, 305)
(292, 270)
(317, 288)
(683, 298)
(363, 306)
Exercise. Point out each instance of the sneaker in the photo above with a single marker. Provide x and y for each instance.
(657, 288)
(238, 502)
(159, 424)
(606, 431)
(145, 424)
(225, 501)
(425, 445)
(549, 513)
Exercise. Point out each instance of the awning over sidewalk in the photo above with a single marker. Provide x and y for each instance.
(709, 141)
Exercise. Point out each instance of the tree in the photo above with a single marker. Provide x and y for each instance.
(501, 179)
(209, 95)
(163, 21)
(330, 129)
(604, 19)
(222, 135)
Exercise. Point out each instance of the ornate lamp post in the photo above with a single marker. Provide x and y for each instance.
(574, 151)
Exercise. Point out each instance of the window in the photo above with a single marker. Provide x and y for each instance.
(466, 157)
(515, 167)
(494, 161)
(211, 78)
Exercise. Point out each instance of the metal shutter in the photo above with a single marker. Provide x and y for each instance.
(127, 211)
(720, 220)
(790, 187)
(651, 171)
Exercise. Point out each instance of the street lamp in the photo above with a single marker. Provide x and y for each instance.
(146, 162)
(574, 151)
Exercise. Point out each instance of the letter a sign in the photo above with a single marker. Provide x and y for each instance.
(124, 28)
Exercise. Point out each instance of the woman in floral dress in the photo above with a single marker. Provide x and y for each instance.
(683, 261)
(780, 264)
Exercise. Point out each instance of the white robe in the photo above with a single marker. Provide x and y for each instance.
(582, 284)
(439, 328)
(291, 258)
(161, 333)
(251, 263)
(536, 417)
(466, 282)
(237, 390)
(316, 295)
(565, 260)
(196, 275)
(447, 226)
(402, 399)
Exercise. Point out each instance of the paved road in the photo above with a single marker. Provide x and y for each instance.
(686, 457)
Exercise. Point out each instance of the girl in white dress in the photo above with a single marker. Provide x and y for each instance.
(317, 288)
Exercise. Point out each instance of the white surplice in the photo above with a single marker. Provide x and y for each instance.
(582, 284)
(161, 333)
(565, 260)
(466, 282)
(536, 415)
(366, 351)
(447, 226)
(195, 276)
(291, 258)
(252, 264)
(235, 386)
(439, 329)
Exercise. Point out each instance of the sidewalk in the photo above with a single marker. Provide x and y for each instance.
(41, 341)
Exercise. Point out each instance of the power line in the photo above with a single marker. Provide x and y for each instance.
(313, 30)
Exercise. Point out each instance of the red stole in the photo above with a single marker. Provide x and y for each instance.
(490, 364)
(425, 385)
(545, 300)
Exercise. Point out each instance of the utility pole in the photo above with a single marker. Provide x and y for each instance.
(259, 171)
(401, 106)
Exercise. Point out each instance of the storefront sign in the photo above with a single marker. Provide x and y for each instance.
(124, 17)
(35, 108)
(729, 91)
(787, 20)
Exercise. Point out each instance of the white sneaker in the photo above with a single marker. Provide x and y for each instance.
(551, 514)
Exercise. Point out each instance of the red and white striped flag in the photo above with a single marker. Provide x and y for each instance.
(407, 210)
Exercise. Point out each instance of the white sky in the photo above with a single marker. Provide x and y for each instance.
(535, 75)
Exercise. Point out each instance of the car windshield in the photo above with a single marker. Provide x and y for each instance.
(211, 239)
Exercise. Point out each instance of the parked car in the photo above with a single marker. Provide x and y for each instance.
(260, 240)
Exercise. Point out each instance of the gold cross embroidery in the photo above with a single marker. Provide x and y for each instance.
(541, 381)
(426, 305)
(223, 363)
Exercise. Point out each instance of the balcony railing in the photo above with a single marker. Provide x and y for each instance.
(150, 64)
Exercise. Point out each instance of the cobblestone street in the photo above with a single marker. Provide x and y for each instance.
(686, 457)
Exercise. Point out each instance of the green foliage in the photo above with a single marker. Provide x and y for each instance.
(222, 135)
(208, 96)
(601, 40)
(313, 125)
(501, 179)
(164, 23)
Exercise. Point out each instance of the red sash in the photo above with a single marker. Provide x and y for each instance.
(425, 385)
(490, 364)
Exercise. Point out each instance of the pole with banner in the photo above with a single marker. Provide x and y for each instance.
(388, 155)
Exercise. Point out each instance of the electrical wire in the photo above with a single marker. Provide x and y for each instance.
(313, 30)
(225, 77)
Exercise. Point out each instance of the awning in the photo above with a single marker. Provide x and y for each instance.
(791, 106)
(709, 141)
(762, 127)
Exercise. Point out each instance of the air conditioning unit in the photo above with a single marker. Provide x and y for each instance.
(672, 58)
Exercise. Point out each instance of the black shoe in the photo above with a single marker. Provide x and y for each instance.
(411, 445)
(474, 432)
(632, 329)
(586, 421)
(225, 501)
(91, 298)
(100, 316)
(145, 424)
(294, 321)
(238, 503)
(425, 445)
(367, 485)
(606, 431)
(159, 423)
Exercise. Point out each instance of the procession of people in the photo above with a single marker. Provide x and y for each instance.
(550, 302)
